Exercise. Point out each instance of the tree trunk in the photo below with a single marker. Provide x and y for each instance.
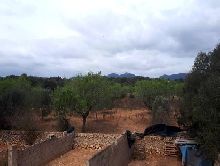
(96, 115)
(84, 123)
(84, 116)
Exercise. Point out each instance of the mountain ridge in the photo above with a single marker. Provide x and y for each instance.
(176, 76)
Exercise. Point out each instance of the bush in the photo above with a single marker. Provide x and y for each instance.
(160, 110)
(63, 124)
(29, 125)
(30, 137)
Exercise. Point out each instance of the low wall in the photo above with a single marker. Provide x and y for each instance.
(3, 158)
(41, 153)
(115, 154)
(150, 145)
(95, 141)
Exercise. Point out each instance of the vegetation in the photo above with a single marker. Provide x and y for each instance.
(160, 110)
(84, 94)
(17, 95)
(201, 109)
(80, 94)
(150, 89)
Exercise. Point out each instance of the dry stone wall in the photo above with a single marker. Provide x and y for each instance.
(94, 141)
(150, 145)
(8, 137)
(40, 153)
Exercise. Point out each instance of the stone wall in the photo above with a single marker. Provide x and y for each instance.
(94, 141)
(41, 153)
(150, 145)
(8, 137)
(3, 157)
(118, 153)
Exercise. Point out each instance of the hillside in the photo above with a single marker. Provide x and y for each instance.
(174, 76)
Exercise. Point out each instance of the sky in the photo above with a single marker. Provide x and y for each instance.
(68, 37)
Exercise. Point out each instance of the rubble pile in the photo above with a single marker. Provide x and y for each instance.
(16, 137)
(94, 141)
(150, 145)
(11, 137)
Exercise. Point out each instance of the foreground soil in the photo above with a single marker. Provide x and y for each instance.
(76, 157)
(156, 161)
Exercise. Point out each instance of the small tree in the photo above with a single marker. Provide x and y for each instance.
(84, 94)
(63, 101)
(160, 110)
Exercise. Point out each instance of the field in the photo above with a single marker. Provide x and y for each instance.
(129, 115)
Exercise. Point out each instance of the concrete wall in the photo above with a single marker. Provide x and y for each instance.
(41, 153)
(116, 154)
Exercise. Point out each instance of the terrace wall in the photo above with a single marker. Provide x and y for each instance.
(41, 153)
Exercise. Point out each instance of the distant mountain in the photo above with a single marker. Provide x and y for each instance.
(174, 76)
(125, 75)
(113, 75)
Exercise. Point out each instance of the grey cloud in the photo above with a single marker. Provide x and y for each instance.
(133, 38)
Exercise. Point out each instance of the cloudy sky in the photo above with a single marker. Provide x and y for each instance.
(66, 37)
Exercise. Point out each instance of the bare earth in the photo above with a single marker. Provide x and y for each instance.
(156, 161)
(76, 157)
(116, 123)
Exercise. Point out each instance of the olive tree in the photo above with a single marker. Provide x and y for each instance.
(83, 94)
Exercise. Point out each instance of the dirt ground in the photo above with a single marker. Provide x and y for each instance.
(115, 121)
(128, 114)
(76, 157)
(156, 161)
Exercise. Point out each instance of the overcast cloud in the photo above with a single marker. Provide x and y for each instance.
(66, 37)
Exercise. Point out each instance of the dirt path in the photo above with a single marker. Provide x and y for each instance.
(156, 161)
(76, 157)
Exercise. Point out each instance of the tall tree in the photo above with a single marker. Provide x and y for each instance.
(201, 111)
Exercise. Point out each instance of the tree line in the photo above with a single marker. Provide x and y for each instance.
(80, 95)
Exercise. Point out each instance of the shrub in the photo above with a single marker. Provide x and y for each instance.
(63, 124)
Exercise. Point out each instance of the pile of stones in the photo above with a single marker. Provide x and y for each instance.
(94, 141)
(16, 137)
(11, 137)
(150, 145)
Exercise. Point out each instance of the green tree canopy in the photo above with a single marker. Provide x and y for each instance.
(83, 94)
(201, 111)
(150, 89)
